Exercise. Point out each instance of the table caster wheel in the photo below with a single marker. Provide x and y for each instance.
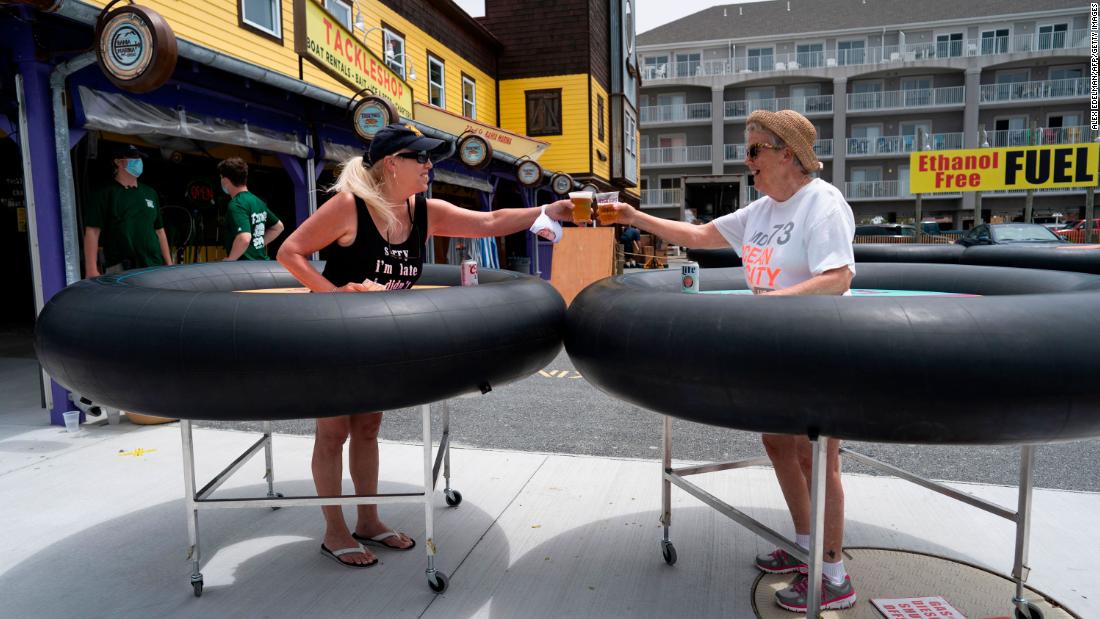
(278, 495)
(437, 581)
(1032, 612)
(452, 497)
(668, 551)
(196, 586)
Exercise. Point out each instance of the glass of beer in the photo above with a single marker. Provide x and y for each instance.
(605, 209)
(582, 206)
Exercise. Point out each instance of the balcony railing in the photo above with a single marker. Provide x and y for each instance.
(684, 112)
(912, 52)
(676, 154)
(1041, 135)
(736, 152)
(901, 144)
(661, 197)
(1030, 91)
(869, 190)
(902, 99)
(816, 104)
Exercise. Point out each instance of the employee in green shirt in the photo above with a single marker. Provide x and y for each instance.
(125, 218)
(251, 225)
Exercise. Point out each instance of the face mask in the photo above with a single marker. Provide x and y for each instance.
(135, 167)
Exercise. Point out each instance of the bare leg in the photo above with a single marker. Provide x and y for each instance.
(783, 450)
(834, 496)
(363, 462)
(328, 472)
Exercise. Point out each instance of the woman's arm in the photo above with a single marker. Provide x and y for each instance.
(333, 221)
(675, 232)
(446, 219)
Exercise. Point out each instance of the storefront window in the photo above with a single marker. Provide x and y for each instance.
(469, 97)
(437, 95)
(262, 16)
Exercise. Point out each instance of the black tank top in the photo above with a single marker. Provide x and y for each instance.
(370, 257)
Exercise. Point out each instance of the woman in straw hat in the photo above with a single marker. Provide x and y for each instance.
(796, 240)
(373, 232)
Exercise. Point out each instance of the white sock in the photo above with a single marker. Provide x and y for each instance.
(835, 572)
(802, 540)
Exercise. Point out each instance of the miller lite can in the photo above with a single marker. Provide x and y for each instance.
(468, 273)
(689, 277)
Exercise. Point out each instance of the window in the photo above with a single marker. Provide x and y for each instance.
(655, 67)
(688, 64)
(1053, 36)
(393, 50)
(437, 95)
(995, 41)
(949, 45)
(810, 54)
(916, 91)
(631, 137)
(262, 17)
(1064, 73)
(341, 10)
(851, 52)
(469, 97)
(761, 59)
(544, 112)
(599, 118)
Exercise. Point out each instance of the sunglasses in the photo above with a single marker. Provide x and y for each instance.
(421, 156)
(754, 149)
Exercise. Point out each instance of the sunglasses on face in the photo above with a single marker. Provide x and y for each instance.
(421, 156)
(754, 149)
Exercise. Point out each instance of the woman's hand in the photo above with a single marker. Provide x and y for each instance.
(562, 210)
(368, 285)
(616, 213)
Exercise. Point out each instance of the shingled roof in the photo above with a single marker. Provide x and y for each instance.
(755, 19)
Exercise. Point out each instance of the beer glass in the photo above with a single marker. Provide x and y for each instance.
(582, 206)
(605, 209)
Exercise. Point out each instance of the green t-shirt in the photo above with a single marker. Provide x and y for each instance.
(127, 218)
(247, 213)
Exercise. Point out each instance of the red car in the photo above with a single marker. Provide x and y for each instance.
(1076, 234)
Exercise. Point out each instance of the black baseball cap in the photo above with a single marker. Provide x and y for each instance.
(124, 151)
(396, 137)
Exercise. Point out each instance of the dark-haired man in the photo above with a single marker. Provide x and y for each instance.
(250, 223)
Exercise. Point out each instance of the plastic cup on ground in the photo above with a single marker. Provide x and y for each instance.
(72, 421)
(582, 206)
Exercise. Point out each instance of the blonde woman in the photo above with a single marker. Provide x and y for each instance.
(374, 229)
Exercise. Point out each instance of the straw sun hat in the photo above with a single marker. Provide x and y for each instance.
(795, 131)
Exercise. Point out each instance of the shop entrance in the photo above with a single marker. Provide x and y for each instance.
(17, 310)
(712, 196)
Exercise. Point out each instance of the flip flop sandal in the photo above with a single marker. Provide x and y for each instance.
(379, 541)
(336, 554)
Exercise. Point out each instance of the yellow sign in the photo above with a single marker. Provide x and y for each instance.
(325, 42)
(502, 141)
(991, 169)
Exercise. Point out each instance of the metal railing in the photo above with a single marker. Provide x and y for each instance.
(1030, 91)
(901, 99)
(683, 112)
(815, 104)
(901, 144)
(1041, 135)
(662, 197)
(676, 154)
(910, 52)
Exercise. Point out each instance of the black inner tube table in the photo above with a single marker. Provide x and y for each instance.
(291, 356)
(851, 357)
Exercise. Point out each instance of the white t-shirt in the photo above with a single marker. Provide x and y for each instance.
(785, 243)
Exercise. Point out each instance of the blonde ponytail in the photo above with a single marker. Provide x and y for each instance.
(366, 183)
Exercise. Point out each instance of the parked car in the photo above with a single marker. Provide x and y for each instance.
(1009, 234)
(1076, 233)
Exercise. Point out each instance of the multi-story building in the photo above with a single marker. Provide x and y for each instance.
(871, 75)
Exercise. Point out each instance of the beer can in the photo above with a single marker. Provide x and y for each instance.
(468, 273)
(689, 277)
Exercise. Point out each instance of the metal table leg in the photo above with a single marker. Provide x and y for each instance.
(1020, 569)
(668, 551)
(436, 580)
(189, 493)
(817, 525)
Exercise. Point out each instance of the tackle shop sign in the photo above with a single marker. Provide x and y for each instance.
(991, 169)
(324, 41)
